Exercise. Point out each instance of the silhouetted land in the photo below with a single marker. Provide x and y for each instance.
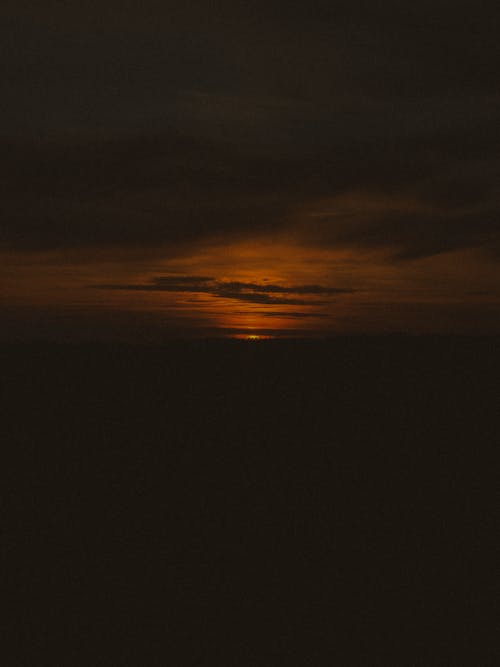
(231, 503)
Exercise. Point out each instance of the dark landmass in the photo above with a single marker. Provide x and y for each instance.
(231, 503)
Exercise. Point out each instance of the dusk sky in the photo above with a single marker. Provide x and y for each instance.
(249, 168)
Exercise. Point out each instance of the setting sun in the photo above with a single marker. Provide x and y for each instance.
(252, 337)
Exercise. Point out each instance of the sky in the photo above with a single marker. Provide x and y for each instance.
(244, 169)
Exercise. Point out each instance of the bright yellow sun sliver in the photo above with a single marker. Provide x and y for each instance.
(253, 337)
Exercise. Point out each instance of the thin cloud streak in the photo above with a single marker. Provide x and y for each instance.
(237, 290)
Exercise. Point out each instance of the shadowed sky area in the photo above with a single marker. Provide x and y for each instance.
(264, 168)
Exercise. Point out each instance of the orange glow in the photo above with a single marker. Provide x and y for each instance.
(374, 293)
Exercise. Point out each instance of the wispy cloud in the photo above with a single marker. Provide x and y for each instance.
(263, 293)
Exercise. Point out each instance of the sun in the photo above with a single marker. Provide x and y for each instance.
(252, 337)
(258, 337)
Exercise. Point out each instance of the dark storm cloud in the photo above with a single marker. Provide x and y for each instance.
(161, 124)
(266, 293)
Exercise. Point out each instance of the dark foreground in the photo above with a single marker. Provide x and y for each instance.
(250, 504)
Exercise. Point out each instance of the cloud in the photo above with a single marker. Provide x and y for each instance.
(174, 191)
(282, 289)
(291, 314)
(143, 138)
(266, 293)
